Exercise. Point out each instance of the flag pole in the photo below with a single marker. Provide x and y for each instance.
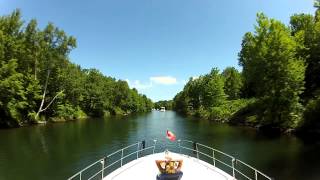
(166, 144)
(166, 151)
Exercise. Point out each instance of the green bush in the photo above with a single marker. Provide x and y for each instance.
(252, 119)
(79, 114)
(247, 112)
(117, 111)
(202, 113)
(106, 113)
(225, 111)
(219, 113)
(65, 111)
(68, 112)
(311, 115)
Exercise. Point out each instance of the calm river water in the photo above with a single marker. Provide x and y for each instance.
(57, 151)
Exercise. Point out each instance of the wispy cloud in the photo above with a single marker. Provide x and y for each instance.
(158, 87)
(164, 80)
(153, 81)
(138, 85)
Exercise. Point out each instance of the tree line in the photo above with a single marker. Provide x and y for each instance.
(39, 83)
(164, 103)
(278, 87)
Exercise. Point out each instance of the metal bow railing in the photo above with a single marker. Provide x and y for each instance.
(115, 160)
(235, 167)
(104, 166)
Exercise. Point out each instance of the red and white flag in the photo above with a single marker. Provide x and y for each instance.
(171, 136)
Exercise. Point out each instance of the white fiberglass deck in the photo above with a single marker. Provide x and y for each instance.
(145, 168)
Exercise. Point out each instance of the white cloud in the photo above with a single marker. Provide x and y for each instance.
(195, 77)
(160, 80)
(138, 85)
(164, 80)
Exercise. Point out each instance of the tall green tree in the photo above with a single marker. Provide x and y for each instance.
(232, 83)
(306, 30)
(18, 97)
(38, 82)
(274, 72)
(192, 89)
(181, 103)
(200, 94)
(56, 46)
(212, 93)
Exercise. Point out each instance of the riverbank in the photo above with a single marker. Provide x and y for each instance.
(250, 121)
(64, 119)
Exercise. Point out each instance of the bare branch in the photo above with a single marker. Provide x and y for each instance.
(52, 101)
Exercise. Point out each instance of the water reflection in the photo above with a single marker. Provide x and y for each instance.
(55, 151)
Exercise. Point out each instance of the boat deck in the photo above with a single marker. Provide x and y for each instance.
(145, 169)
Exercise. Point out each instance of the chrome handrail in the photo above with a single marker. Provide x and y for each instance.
(196, 150)
(102, 161)
(213, 157)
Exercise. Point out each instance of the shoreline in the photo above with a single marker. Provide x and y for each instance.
(275, 131)
(54, 120)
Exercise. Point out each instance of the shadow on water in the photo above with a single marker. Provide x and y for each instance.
(56, 151)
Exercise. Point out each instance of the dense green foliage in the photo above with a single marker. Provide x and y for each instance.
(279, 85)
(273, 72)
(38, 82)
(233, 83)
(165, 103)
(213, 96)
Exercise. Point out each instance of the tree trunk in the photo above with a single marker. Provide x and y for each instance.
(43, 96)
(41, 109)
(35, 69)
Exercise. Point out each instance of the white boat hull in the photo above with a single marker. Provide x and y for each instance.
(145, 169)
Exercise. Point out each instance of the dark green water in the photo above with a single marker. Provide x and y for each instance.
(57, 151)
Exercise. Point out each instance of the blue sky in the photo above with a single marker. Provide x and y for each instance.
(156, 45)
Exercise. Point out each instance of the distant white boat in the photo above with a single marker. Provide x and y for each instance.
(163, 109)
